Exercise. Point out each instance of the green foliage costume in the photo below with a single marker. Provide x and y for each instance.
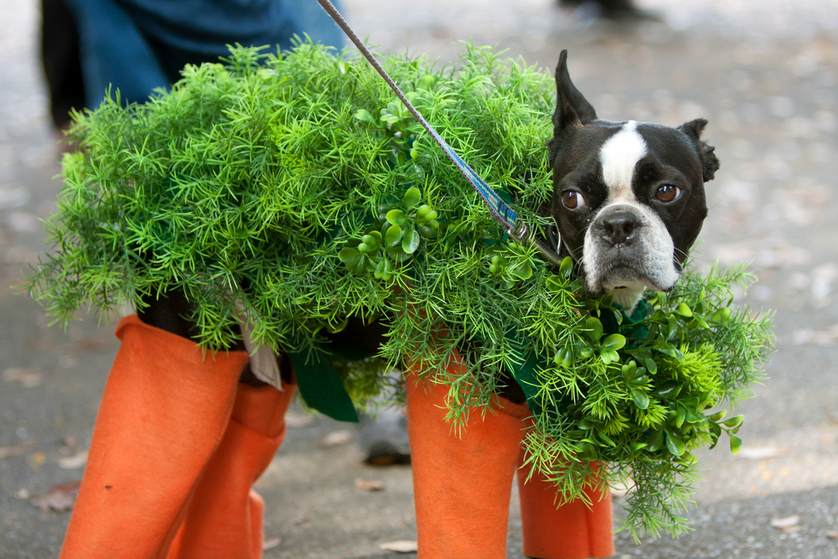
(295, 192)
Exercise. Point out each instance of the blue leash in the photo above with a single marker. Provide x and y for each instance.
(504, 214)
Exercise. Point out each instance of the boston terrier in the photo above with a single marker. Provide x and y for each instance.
(628, 196)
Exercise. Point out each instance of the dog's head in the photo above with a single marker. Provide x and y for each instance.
(628, 197)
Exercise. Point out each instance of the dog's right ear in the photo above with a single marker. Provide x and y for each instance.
(572, 109)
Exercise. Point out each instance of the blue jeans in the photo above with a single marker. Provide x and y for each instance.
(136, 46)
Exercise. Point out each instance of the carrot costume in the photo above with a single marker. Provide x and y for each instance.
(179, 442)
(462, 487)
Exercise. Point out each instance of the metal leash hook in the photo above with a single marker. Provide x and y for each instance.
(504, 214)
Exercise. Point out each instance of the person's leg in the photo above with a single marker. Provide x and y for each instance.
(163, 413)
(462, 485)
(572, 531)
(115, 53)
(60, 61)
(224, 518)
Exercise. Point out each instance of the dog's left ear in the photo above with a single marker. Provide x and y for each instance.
(706, 152)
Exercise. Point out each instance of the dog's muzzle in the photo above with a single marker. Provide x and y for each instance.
(627, 247)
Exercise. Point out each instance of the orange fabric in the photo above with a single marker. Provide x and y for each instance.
(224, 518)
(461, 486)
(163, 413)
(572, 531)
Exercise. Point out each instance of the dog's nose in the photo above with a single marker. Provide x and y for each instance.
(619, 227)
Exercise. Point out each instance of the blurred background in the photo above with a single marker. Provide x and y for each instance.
(765, 74)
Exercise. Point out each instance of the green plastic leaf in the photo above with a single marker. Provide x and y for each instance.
(364, 116)
(734, 422)
(718, 416)
(656, 441)
(349, 256)
(609, 356)
(410, 241)
(396, 217)
(427, 215)
(680, 416)
(684, 310)
(614, 342)
(372, 240)
(383, 270)
(735, 443)
(640, 398)
(393, 236)
(674, 444)
(566, 267)
(520, 270)
(594, 328)
(411, 198)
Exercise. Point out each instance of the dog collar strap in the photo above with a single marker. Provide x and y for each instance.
(505, 215)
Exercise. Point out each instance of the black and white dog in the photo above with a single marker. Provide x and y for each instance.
(628, 197)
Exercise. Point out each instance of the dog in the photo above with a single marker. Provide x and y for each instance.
(628, 197)
(628, 203)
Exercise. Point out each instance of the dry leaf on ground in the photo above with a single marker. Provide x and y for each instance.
(14, 450)
(369, 485)
(336, 438)
(77, 460)
(759, 452)
(786, 524)
(270, 543)
(400, 546)
(295, 420)
(28, 378)
(59, 498)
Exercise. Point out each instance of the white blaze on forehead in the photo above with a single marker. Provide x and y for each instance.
(619, 156)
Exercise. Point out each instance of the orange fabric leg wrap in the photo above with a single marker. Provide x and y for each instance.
(224, 518)
(163, 413)
(462, 486)
(572, 531)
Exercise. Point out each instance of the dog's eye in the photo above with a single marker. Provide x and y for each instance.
(573, 200)
(667, 193)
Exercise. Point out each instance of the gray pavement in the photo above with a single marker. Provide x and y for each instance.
(764, 74)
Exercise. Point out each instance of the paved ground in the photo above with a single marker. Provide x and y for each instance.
(764, 73)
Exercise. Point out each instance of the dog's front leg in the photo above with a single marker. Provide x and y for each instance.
(462, 484)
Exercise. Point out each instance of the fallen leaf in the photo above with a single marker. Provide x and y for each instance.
(336, 438)
(787, 524)
(59, 498)
(37, 459)
(826, 337)
(91, 344)
(72, 462)
(758, 452)
(14, 450)
(400, 546)
(270, 543)
(27, 378)
(369, 485)
(295, 420)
